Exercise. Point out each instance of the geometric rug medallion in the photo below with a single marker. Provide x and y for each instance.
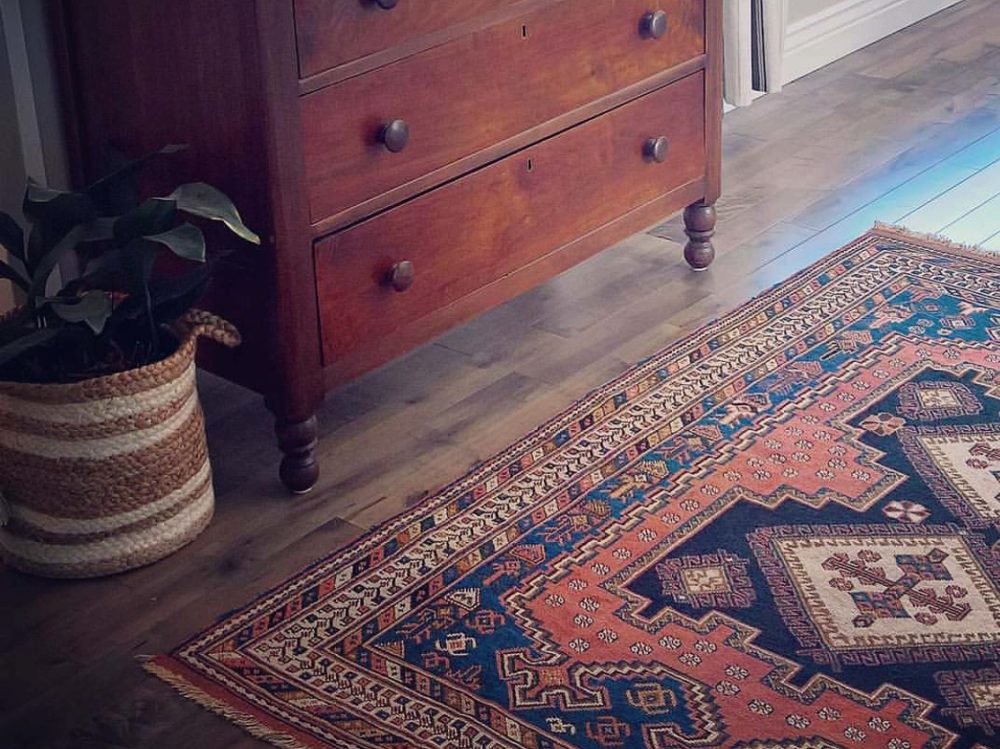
(779, 533)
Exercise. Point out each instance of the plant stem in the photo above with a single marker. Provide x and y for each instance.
(154, 339)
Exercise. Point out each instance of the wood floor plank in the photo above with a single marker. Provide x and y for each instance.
(895, 129)
(977, 226)
(992, 243)
(945, 157)
(948, 207)
(873, 185)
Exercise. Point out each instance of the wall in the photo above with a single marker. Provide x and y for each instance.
(11, 160)
(821, 31)
(31, 137)
(799, 9)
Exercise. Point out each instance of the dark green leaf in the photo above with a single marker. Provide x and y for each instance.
(63, 209)
(93, 308)
(119, 195)
(12, 274)
(36, 193)
(185, 241)
(174, 296)
(200, 199)
(118, 192)
(25, 343)
(106, 271)
(53, 213)
(99, 230)
(49, 261)
(137, 262)
(150, 217)
(169, 296)
(128, 168)
(36, 245)
(11, 236)
(138, 259)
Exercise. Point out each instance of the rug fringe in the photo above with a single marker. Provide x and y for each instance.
(940, 240)
(246, 721)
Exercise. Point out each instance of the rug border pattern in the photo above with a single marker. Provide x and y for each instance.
(172, 668)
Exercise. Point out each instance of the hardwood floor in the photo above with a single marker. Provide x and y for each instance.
(905, 131)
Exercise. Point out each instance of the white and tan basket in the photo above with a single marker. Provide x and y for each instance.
(110, 473)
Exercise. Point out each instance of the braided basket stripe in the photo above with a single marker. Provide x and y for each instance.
(68, 415)
(108, 474)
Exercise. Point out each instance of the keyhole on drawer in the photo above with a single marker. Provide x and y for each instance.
(530, 165)
(524, 32)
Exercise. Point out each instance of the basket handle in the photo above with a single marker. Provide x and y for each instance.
(199, 322)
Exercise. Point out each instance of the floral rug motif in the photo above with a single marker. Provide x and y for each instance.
(780, 533)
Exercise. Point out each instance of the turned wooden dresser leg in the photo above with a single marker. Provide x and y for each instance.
(699, 225)
(297, 440)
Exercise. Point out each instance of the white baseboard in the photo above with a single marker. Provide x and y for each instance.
(846, 27)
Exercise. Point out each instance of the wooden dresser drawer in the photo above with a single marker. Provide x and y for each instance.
(494, 221)
(335, 32)
(480, 89)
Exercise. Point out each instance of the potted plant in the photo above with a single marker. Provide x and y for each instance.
(103, 462)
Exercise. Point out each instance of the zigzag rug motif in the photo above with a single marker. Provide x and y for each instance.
(779, 533)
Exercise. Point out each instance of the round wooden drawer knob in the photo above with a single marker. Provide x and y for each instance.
(655, 149)
(386, 4)
(654, 24)
(395, 135)
(400, 275)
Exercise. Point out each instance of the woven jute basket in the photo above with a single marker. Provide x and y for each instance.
(110, 473)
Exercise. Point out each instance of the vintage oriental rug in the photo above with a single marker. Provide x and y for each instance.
(780, 533)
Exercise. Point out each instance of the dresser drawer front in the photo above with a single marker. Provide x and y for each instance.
(334, 32)
(475, 230)
(469, 94)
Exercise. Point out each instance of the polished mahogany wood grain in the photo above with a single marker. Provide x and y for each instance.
(463, 96)
(136, 94)
(487, 225)
(289, 322)
(700, 216)
(500, 149)
(498, 12)
(472, 90)
(513, 284)
(699, 225)
(334, 32)
(713, 98)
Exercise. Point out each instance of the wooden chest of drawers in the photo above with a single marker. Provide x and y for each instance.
(410, 163)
